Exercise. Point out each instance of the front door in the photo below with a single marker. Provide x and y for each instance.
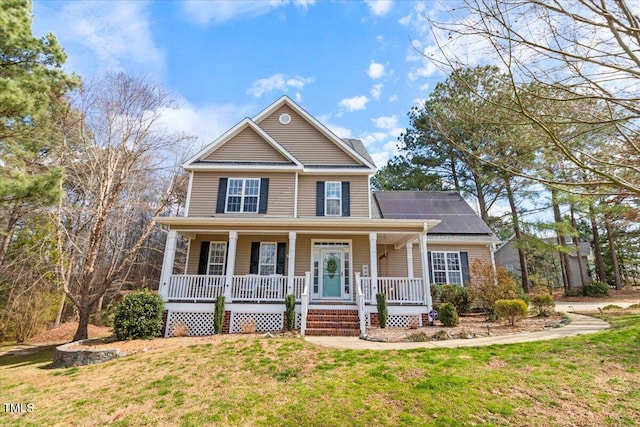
(332, 275)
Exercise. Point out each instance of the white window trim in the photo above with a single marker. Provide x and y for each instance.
(243, 195)
(326, 199)
(275, 258)
(448, 272)
(224, 258)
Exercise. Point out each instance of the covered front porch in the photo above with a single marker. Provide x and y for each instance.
(255, 266)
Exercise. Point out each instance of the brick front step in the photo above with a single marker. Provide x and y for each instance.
(332, 324)
(327, 317)
(334, 332)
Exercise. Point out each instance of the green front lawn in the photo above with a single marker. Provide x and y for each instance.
(591, 380)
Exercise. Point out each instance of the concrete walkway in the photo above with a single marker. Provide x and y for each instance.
(580, 325)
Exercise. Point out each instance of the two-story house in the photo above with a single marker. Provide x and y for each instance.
(280, 205)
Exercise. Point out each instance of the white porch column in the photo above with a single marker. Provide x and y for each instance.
(291, 262)
(373, 267)
(410, 260)
(231, 264)
(424, 259)
(167, 263)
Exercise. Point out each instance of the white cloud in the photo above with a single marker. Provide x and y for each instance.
(355, 103)
(375, 71)
(102, 36)
(393, 98)
(376, 90)
(278, 82)
(216, 12)
(379, 7)
(373, 138)
(340, 131)
(386, 122)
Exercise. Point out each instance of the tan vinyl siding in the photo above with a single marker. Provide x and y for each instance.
(358, 190)
(247, 146)
(303, 140)
(395, 264)
(303, 254)
(204, 192)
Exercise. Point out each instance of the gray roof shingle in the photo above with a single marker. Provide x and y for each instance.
(456, 216)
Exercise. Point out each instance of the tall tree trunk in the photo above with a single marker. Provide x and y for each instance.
(614, 252)
(82, 333)
(482, 203)
(8, 232)
(562, 253)
(597, 247)
(524, 268)
(63, 299)
(576, 243)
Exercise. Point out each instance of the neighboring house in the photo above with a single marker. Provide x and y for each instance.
(279, 205)
(546, 265)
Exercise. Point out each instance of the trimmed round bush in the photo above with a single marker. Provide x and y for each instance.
(457, 295)
(596, 289)
(543, 304)
(138, 316)
(447, 314)
(512, 309)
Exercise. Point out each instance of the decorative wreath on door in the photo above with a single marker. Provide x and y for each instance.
(332, 266)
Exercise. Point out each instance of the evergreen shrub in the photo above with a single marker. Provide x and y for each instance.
(512, 309)
(138, 316)
(447, 314)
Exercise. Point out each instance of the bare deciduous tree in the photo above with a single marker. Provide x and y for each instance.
(575, 50)
(121, 166)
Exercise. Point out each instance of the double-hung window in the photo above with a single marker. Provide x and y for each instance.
(267, 264)
(333, 198)
(243, 195)
(217, 255)
(446, 268)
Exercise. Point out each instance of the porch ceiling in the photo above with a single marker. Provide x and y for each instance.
(392, 231)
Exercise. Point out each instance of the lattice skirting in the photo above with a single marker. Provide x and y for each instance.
(398, 320)
(197, 324)
(261, 322)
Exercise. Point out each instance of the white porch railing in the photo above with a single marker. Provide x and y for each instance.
(258, 288)
(399, 290)
(192, 287)
(304, 310)
(360, 304)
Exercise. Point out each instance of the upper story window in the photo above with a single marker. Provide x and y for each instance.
(333, 198)
(447, 268)
(243, 195)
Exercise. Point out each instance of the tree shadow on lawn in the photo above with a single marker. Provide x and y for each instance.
(30, 355)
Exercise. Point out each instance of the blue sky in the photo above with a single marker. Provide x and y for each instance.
(354, 65)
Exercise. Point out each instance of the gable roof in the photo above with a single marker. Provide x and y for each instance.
(345, 145)
(457, 217)
(229, 135)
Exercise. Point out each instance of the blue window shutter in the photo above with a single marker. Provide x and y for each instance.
(281, 256)
(255, 258)
(264, 195)
(346, 199)
(320, 198)
(204, 258)
(222, 195)
(464, 264)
